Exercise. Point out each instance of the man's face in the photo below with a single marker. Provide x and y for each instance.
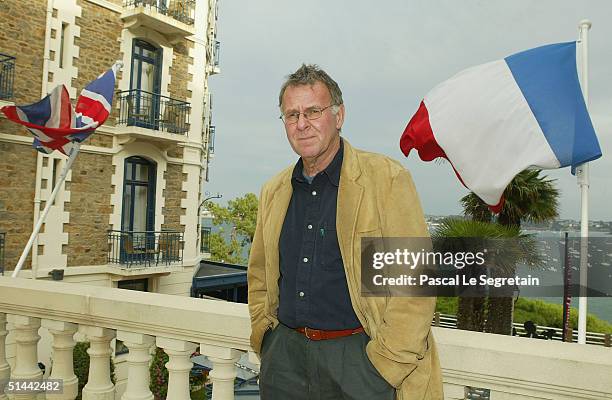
(312, 139)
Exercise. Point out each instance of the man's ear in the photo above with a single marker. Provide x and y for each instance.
(340, 116)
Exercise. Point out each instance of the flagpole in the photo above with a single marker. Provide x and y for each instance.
(582, 174)
(49, 202)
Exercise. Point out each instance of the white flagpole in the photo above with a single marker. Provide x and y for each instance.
(582, 174)
(43, 216)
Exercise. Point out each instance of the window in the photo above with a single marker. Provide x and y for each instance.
(138, 212)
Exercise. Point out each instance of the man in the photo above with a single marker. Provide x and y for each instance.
(318, 338)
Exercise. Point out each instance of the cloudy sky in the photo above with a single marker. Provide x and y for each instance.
(385, 59)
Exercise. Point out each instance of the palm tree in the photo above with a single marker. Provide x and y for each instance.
(455, 234)
(528, 197)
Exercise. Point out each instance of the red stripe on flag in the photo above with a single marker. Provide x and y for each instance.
(65, 110)
(92, 108)
(418, 135)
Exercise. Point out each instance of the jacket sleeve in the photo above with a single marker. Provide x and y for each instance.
(402, 337)
(256, 278)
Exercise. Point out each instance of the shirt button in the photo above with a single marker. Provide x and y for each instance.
(301, 294)
(314, 192)
(305, 259)
(309, 226)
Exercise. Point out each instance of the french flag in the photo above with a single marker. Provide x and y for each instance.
(56, 125)
(495, 120)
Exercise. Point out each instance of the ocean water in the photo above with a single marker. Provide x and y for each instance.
(598, 306)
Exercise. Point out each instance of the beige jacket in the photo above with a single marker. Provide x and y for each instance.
(376, 197)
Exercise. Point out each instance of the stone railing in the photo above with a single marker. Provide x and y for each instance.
(505, 367)
(174, 323)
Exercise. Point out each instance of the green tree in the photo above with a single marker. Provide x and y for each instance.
(455, 234)
(528, 197)
(241, 215)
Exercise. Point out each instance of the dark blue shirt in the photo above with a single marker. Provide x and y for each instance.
(312, 283)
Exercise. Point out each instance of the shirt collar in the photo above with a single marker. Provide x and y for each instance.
(332, 171)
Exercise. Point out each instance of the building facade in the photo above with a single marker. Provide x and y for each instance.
(127, 215)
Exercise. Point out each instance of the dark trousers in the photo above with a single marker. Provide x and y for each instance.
(294, 367)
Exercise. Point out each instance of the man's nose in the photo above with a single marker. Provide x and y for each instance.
(302, 122)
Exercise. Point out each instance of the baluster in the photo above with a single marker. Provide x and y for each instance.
(223, 373)
(26, 354)
(138, 365)
(5, 369)
(178, 365)
(62, 368)
(99, 385)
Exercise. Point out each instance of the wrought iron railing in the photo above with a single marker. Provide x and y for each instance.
(211, 139)
(2, 245)
(180, 10)
(7, 76)
(146, 248)
(205, 240)
(153, 111)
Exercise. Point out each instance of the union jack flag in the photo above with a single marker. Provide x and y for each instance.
(56, 125)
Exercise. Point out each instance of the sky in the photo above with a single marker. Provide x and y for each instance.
(385, 59)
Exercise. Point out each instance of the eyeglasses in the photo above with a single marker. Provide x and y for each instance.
(310, 114)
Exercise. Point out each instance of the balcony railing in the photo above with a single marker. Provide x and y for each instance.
(153, 111)
(180, 10)
(7, 76)
(2, 246)
(138, 249)
(211, 139)
(507, 367)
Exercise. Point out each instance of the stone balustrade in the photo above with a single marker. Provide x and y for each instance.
(507, 367)
(141, 320)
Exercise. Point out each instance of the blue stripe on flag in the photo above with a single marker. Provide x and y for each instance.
(548, 79)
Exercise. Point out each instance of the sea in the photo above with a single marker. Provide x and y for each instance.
(600, 252)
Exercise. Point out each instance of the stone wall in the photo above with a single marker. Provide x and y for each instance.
(89, 208)
(173, 194)
(18, 166)
(179, 71)
(22, 32)
(99, 46)
(178, 88)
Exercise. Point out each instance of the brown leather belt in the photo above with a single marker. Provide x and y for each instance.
(318, 334)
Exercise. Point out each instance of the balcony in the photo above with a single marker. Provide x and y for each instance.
(212, 54)
(145, 250)
(211, 140)
(152, 116)
(506, 367)
(7, 77)
(173, 18)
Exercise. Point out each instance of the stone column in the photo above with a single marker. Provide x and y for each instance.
(223, 373)
(62, 368)
(178, 365)
(26, 352)
(138, 365)
(99, 385)
(5, 369)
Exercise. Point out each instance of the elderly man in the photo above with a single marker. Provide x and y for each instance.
(318, 338)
